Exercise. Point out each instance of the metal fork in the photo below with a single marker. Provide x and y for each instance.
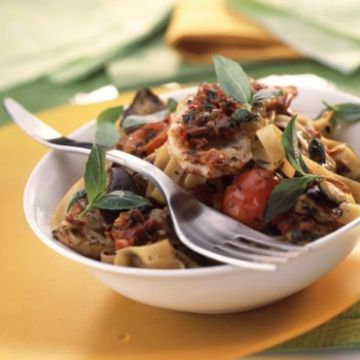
(201, 228)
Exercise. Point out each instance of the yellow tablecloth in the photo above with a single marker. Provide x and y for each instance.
(52, 308)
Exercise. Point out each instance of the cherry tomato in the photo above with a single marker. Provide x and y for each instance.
(246, 197)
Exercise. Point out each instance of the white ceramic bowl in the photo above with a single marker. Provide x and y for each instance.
(205, 290)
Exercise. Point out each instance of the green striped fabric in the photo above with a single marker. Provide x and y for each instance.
(343, 332)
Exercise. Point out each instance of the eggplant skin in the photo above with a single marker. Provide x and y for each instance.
(121, 179)
(145, 103)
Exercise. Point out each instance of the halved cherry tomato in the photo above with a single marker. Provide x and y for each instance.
(246, 197)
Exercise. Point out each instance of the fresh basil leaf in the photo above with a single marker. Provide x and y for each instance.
(107, 135)
(244, 116)
(75, 197)
(233, 79)
(266, 94)
(95, 174)
(132, 122)
(285, 194)
(121, 200)
(290, 143)
(349, 112)
(171, 104)
(110, 115)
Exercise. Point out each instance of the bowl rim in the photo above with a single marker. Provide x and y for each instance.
(161, 273)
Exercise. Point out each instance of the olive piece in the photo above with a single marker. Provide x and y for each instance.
(119, 179)
(317, 151)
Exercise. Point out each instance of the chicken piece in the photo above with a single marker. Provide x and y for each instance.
(205, 139)
(135, 228)
(86, 235)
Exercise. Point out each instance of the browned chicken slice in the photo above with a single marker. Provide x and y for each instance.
(204, 138)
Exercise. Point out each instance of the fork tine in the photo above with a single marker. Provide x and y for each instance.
(204, 240)
(231, 233)
(199, 244)
(233, 229)
(250, 256)
(232, 259)
(261, 251)
(273, 243)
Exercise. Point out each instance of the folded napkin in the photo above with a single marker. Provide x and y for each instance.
(327, 31)
(68, 39)
(201, 28)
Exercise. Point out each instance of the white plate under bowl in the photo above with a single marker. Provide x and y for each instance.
(216, 289)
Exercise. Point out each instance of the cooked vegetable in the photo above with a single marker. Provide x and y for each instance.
(144, 103)
(317, 151)
(95, 187)
(246, 198)
(145, 140)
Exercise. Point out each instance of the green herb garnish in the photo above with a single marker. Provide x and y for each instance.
(121, 200)
(106, 132)
(233, 79)
(236, 84)
(110, 115)
(171, 104)
(349, 112)
(266, 94)
(285, 194)
(244, 116)
(132, 122)
(75, 197)
(95, 186)
(95, 175)
(291, 146)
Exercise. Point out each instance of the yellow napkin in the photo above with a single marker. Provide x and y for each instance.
(201, 28)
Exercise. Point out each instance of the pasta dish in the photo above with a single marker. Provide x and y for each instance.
(236, 146)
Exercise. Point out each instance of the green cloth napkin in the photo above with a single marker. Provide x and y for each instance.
(327, 31)
(66, 40)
